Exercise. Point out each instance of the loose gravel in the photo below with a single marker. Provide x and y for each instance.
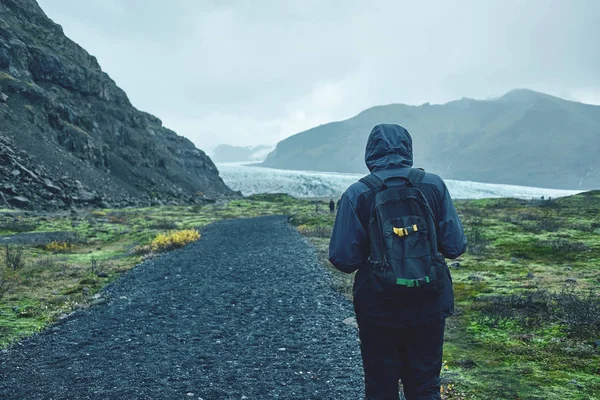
(246, 312)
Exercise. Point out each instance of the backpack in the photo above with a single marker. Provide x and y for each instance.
(404, 261)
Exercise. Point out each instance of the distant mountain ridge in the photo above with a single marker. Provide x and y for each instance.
(85, 144)
(522, 138)
(228, 153)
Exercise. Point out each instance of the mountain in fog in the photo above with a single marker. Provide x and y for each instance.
(228, 153)
(523, 138)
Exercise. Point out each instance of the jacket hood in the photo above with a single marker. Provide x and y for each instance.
(389, 146)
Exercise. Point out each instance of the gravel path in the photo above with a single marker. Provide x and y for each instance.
(247, 312)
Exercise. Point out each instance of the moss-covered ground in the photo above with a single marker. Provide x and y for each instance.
(527, 316)
(101, 244)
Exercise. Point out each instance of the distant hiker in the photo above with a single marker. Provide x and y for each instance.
(331, 206)
(402, 288)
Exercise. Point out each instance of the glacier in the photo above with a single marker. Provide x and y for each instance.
(306, 184)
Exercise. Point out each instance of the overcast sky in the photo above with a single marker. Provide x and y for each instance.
(256, 71)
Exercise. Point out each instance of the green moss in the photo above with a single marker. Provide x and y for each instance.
(530, 245)
(55, 282)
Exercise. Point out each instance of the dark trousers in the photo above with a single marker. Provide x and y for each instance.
(410, 355)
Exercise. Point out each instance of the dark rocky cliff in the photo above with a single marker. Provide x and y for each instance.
(76, 126)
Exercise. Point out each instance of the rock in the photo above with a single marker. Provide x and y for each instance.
(514, 260)
(3, 200)
(27, 172)
(3, 97)
(51, 187)
(571, 280)
(9, 189)
(454, 265)
(86, 197)
(97, 302)
(102, 275)
(86, 290)
(350, 321)
(597, 344)
(15, 173)
(530, 275)
(20, 202)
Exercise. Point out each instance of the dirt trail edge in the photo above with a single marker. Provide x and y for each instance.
(247, 312)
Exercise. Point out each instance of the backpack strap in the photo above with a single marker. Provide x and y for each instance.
(415, 176)
(373, 182)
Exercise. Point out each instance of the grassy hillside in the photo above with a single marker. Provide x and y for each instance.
(554, 141)
(527, 323)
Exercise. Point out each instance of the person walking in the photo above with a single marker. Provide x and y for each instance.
(394, 228)
(331, 206)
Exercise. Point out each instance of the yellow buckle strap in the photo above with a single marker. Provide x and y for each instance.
(402, 232)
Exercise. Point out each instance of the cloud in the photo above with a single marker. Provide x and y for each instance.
(246, 73)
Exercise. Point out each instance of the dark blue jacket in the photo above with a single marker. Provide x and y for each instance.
(388, 154)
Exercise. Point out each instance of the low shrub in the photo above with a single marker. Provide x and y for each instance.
(142, 250)
(174, 239)
(476, 243)
(315, 231)
(529, 309)
(164, 224)
(13, 257)
(579, 314)
(59, 247)
(117, 218)
(8, 279)
(50, 263)
(17, 226)
(564, 245)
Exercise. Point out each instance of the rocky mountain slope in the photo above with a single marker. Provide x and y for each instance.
(66, 121)
(523, 138)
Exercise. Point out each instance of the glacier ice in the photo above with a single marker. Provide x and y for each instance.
(305, 184)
